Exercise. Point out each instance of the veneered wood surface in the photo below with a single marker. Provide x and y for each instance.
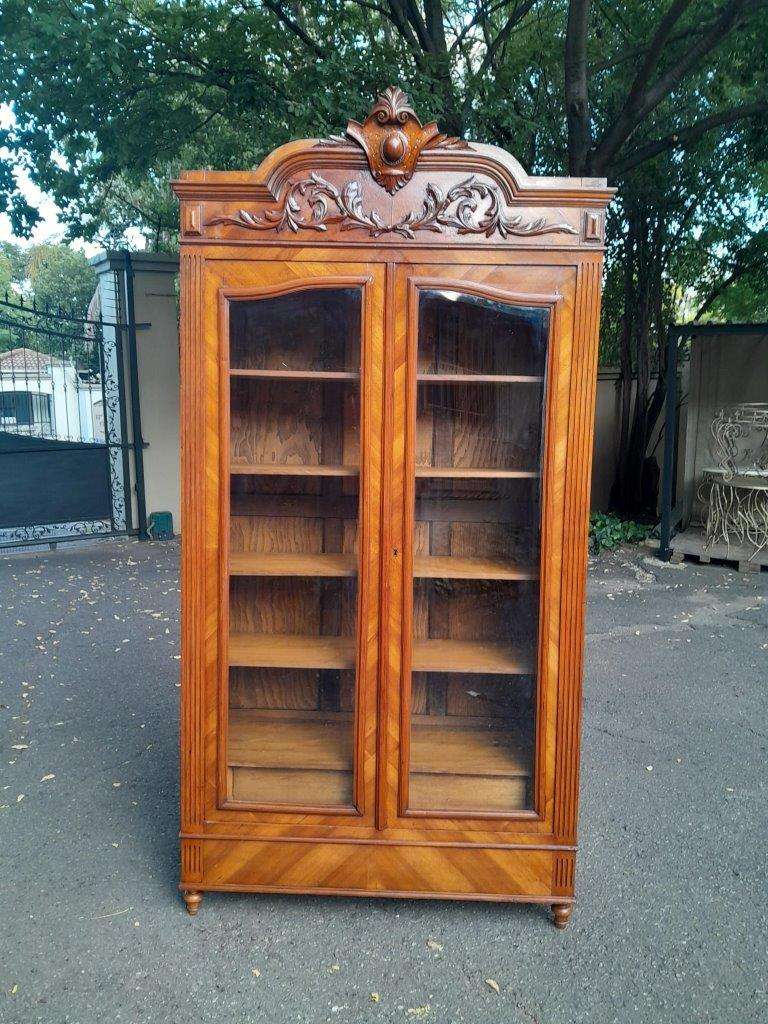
(364, 869)
(379, 843)
(290, 469)
(300, 564)
(256, 563)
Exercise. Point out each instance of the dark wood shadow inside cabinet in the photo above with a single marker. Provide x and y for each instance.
(294, 510)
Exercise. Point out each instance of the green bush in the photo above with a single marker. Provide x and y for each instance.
(607, 532)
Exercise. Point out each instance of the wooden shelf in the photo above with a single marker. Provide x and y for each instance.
(452, 473)
(454, 568)
(261, 740)
(278, 469)
(258, 739)
(307, 759)
(478, 378)
(297, 374)
(474, 750)
(278, 650)
(249, 563)
(475, 656)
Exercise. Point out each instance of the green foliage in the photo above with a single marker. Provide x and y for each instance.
(6, 274)
(61, 277)
(607, 532)
(110, 96)
(56, 276)
(16, 258)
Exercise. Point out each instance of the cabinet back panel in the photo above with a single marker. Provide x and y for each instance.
(302, 423)
(473, 335)
(313, 329)
(493, 426)
(308, 607)
(291, 689)
(475, 610)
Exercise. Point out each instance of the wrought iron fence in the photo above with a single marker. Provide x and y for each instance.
(64, 446)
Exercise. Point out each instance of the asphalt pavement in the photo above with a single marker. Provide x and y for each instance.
(670, 923)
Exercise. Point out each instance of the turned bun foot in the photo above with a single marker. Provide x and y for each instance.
(193, 900)
(561, 913)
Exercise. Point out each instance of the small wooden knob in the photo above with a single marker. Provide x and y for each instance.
(393, 147)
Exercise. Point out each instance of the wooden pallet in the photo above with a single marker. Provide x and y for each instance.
(690, 543)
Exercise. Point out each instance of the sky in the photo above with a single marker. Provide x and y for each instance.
(48, 229)
(49, 225)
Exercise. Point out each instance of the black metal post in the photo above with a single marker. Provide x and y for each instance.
(133, 369)
(670, 440)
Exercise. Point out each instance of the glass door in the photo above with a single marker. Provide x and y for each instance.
(302, 545)
(474, 455)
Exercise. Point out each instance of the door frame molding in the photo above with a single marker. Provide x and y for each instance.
(268, 280)
(410, 280)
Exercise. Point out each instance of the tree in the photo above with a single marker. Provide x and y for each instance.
(137, 83)
(15, 259)
(61, 277)
(6, 274)
(110, 96)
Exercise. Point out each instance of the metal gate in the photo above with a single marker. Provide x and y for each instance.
(64, 447)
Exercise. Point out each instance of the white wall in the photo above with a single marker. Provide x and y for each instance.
(70, 402)
(157, 349)
(154, 290)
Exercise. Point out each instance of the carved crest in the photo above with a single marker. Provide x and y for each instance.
(392, 138)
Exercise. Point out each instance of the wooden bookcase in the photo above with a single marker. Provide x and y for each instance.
(388, 373)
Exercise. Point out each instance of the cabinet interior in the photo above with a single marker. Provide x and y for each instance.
(293, 588)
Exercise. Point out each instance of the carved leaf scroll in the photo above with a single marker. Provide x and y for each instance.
(471, 207)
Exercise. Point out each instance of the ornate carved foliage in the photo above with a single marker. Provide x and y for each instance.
(471, 207)
(392, 138)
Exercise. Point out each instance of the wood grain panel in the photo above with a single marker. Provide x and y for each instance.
(275, 534)
(367, 869)
(291, 786)
(195, 605)
(580, 431)
(250, 564)
(270, 688)
(290, 651)
(277, 421)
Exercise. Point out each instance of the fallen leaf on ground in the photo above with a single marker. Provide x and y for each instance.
(431, 944)
(419, 1012)
(47, 778)
(256, 972)
(375, 997)
(493, 984)
(115, 913)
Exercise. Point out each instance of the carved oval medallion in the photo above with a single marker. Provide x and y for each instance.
(394, 147)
